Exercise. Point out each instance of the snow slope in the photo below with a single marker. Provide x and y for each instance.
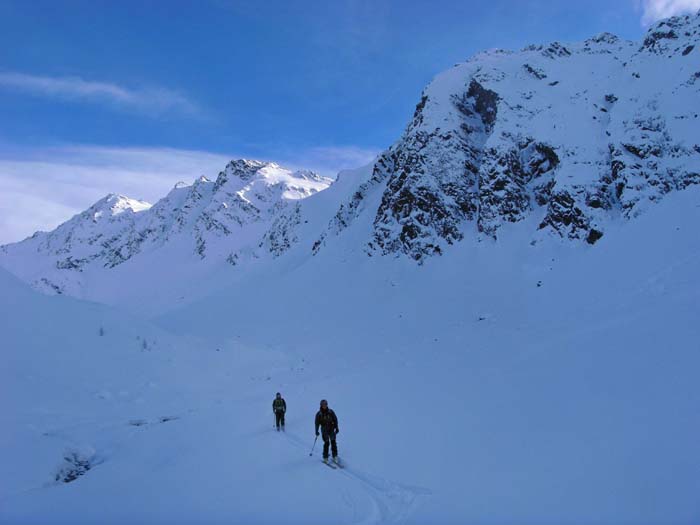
(549, 384)
(508, 383)
(110, 420)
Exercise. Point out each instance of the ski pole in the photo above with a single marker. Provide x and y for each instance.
(312, 446)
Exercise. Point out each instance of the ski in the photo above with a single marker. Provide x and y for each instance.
(329, 464)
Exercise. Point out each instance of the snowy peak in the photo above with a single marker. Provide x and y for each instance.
(244, 174)
(601, 38)
(108, 214)
(246, 193)
(244, 169)
(114, 204)
(103, 233)
(676, 35)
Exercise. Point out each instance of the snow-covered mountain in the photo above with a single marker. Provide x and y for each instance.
(572, 135)
(222, 220)
(566, 139)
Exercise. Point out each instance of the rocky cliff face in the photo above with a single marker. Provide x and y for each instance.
(574, 135)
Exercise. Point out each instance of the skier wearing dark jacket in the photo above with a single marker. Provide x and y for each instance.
(279, 407)
(328, 422)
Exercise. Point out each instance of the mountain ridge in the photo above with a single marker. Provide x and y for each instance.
(196, 219)
(563, 139)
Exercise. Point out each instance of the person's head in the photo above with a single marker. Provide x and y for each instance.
(324, 404)
(279, 395)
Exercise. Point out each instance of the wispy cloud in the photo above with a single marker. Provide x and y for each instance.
(654, 10)
(42, 187)
(153, 101)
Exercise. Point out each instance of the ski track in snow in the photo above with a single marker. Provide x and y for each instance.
(391, 502)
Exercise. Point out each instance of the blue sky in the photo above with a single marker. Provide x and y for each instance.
(168, 90)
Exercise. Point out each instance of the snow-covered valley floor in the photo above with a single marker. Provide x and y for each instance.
(500, 384)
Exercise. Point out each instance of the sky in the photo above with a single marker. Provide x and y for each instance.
(131, 97)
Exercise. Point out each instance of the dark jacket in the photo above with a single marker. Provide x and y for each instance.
(279, 405)
(327, 420)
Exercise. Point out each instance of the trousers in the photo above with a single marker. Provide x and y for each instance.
(329, 440)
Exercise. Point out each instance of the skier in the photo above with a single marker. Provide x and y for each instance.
(279, 407)
(328, 421)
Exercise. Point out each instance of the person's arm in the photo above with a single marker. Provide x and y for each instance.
(335, 422)
(318, 423)
(284, 406)
(273, 405)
